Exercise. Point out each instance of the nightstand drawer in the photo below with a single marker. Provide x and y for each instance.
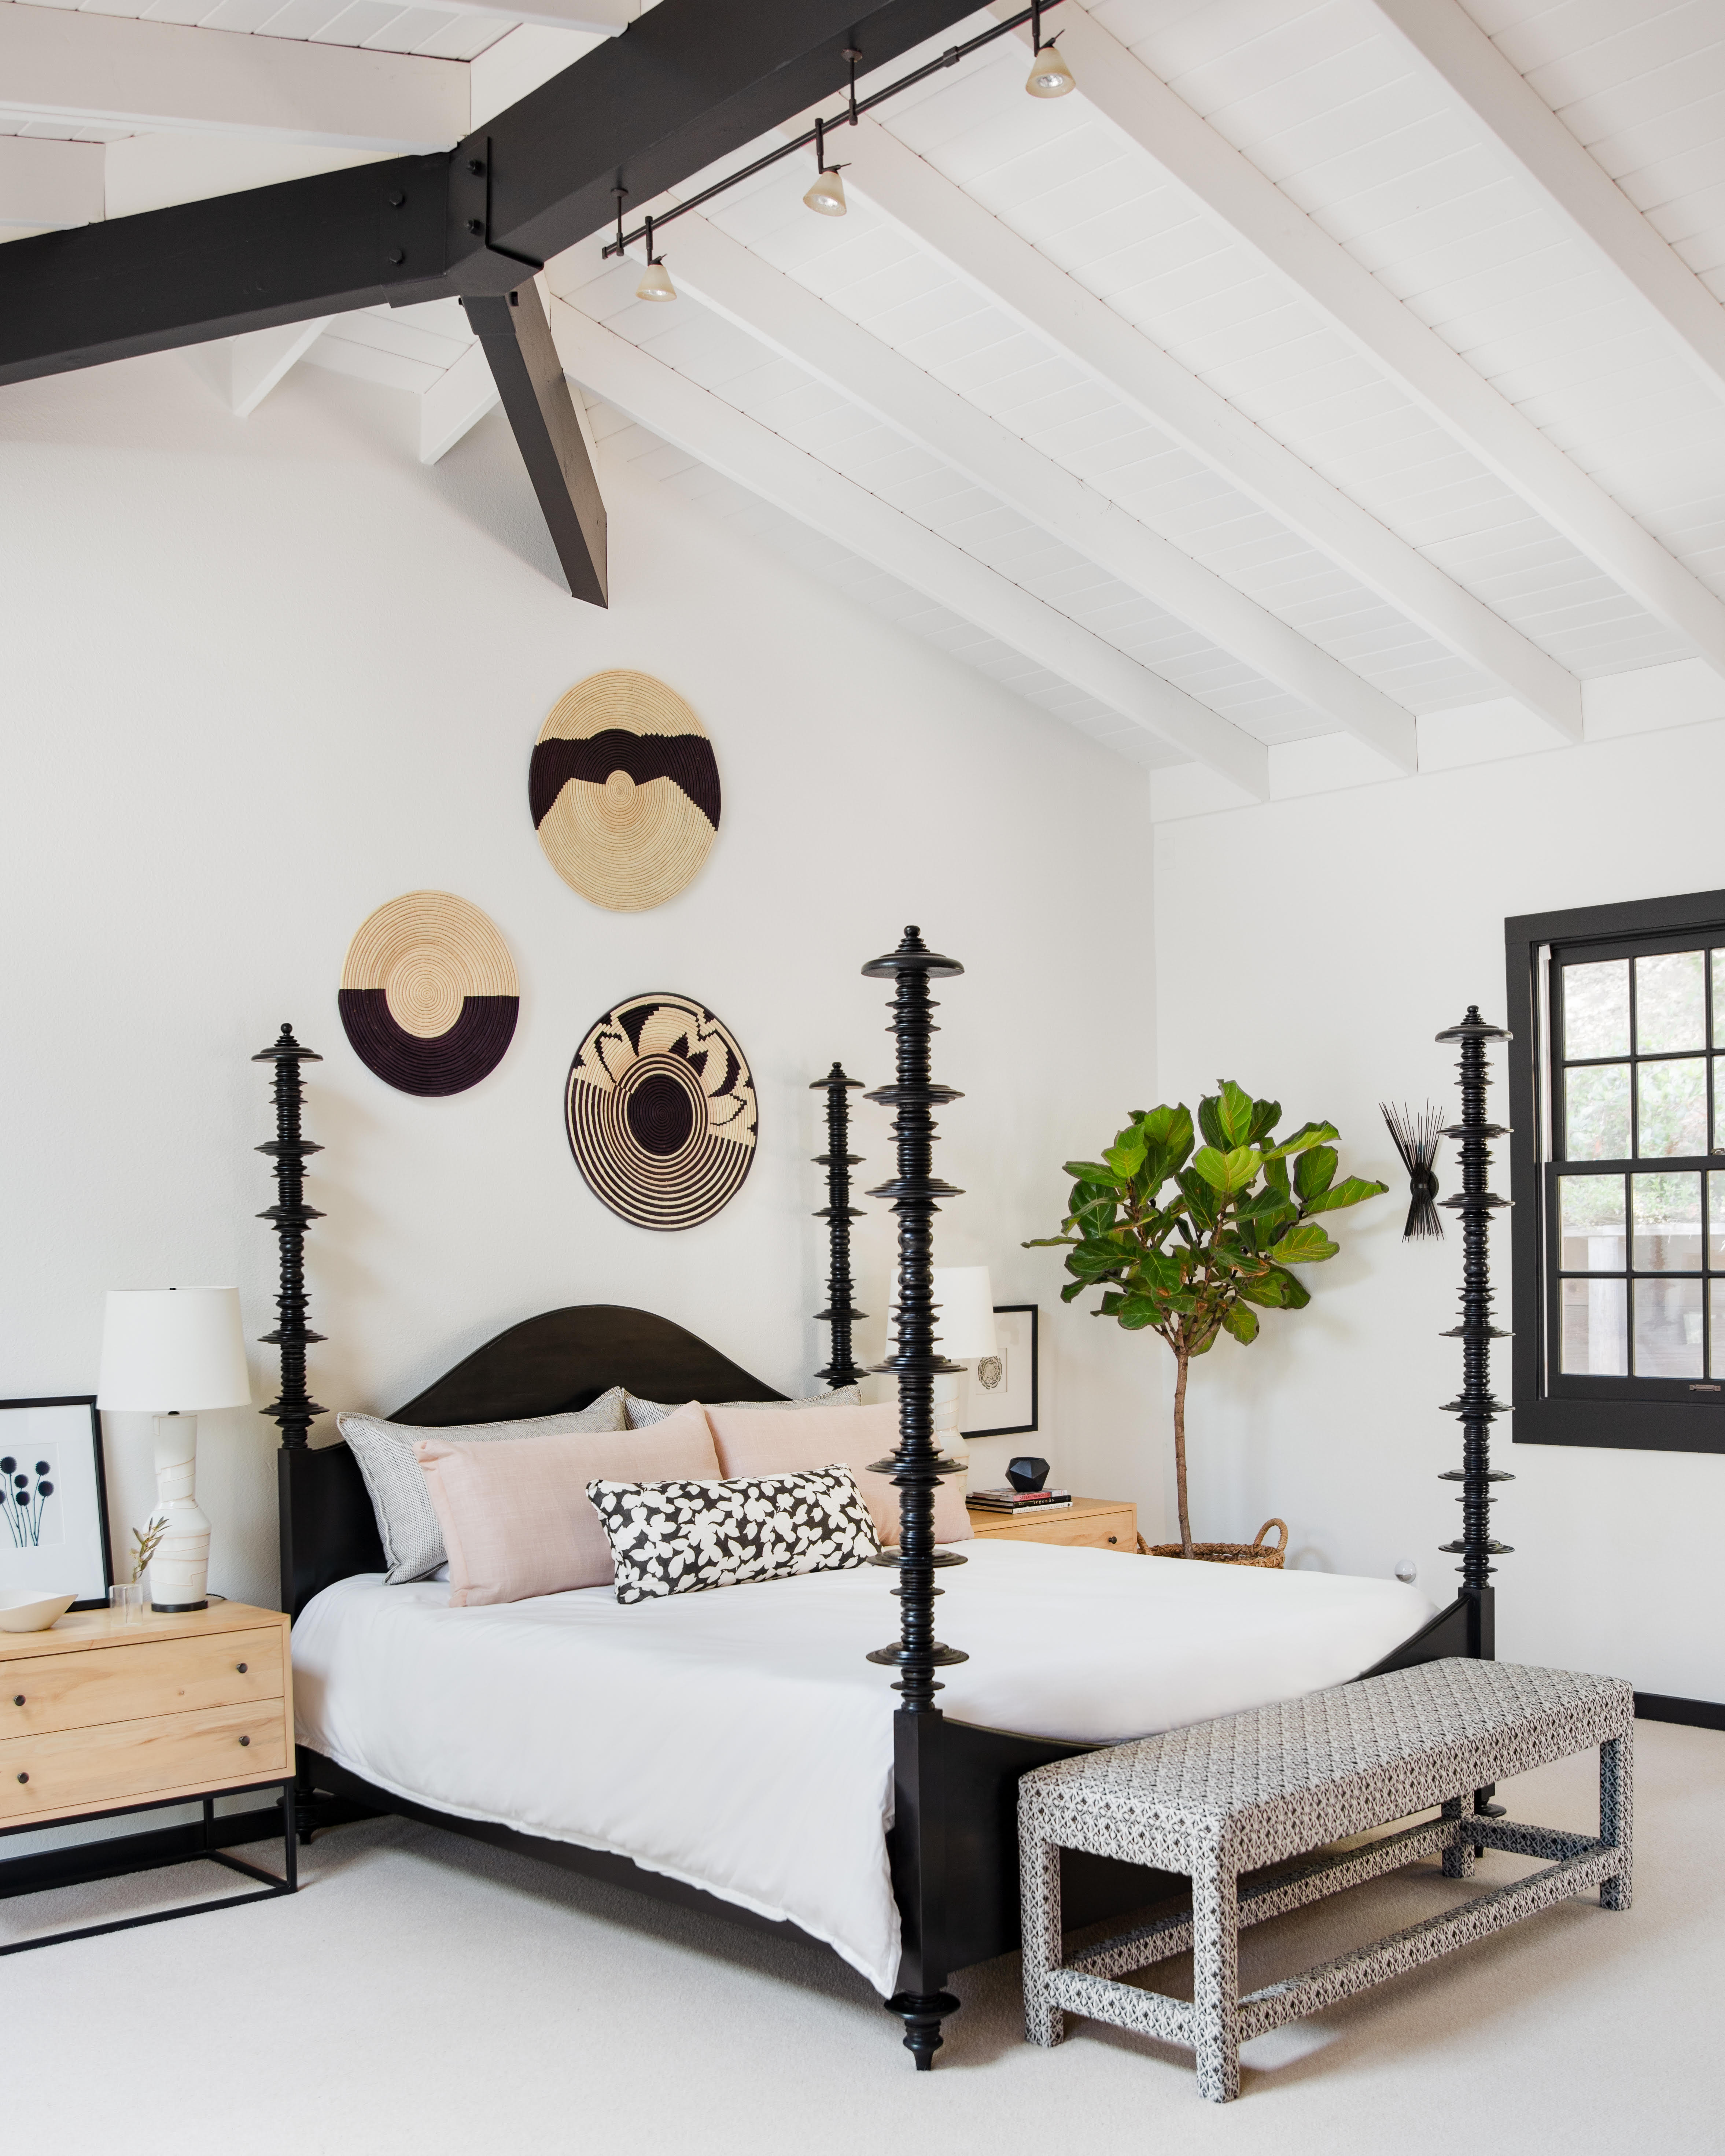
(155, 1677)
(80, 1770)
(1098, 1531)
(1089, 1523)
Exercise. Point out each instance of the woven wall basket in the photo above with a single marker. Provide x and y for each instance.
(624, 791)
(660, 1111)
(1252, 1553)
(429, 995)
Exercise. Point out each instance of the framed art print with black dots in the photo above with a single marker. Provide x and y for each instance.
(54, 1538)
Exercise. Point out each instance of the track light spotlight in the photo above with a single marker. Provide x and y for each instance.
(1050, 75)
(655, 279)
(827, 195)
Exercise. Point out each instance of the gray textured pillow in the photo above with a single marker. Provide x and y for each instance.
(407, 1524)
(643, 1414)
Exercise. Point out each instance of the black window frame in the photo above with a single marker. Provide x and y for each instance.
(1668, 1414)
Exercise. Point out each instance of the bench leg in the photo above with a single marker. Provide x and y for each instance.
(1040, 1889)
(1617, 1808)
(1215, 1975)
(1458, 1858)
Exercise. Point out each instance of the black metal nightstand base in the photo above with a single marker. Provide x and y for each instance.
(195, 1841)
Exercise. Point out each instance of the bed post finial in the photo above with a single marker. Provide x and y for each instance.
(1475, 1403)
(916, 1469)
(294, 1410)
(840, 1314)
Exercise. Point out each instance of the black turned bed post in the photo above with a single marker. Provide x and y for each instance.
(841, 1313)
(1475, 1403)
(293, 1410)
(920, 1865)
(294, 1407)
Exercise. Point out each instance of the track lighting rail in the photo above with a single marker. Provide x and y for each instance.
(855, 108)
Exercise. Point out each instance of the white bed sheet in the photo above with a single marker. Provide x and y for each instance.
(738, 1740)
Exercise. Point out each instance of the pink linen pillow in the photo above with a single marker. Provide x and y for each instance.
(753, 1443)
(515, 1512)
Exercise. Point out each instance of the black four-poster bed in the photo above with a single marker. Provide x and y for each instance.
(952, 1846)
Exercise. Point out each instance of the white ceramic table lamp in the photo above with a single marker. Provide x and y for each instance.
(175, 1352)
(964, 1321)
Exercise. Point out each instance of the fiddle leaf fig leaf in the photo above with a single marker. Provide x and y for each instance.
(1304, 1245)
(1126, 1158)
(1090, 1172)
(1243, 1165)
(1212, 1165)
(1313, 1171)
(1266, 1116)
(1209, 1122)
(1307, 1135)
(1234, 1112)
(1242, 1322)
(1354, 1191)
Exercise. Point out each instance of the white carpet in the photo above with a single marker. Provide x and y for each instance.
(423, 1995)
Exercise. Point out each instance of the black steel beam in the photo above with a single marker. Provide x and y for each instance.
(691, 81)
(537, 403)
(250, 261)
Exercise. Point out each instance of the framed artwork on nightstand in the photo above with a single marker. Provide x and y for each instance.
(54, 1532)
(996, 1395)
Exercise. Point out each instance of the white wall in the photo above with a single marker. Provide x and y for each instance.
(1311, 949)
(260, 676)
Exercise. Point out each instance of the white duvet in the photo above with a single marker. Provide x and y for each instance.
(739, 1741)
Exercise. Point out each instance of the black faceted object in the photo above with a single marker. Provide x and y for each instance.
(1027, 1473)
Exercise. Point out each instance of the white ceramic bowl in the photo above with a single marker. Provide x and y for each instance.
(25, 1609)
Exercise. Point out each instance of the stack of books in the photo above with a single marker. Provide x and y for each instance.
(1018, 1500)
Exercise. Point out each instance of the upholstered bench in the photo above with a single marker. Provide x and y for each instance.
(1250, 1793)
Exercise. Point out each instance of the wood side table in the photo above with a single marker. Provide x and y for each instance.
(1088, 1522)
(98, 1719)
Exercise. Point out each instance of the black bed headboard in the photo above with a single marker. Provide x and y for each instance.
(561, 1359)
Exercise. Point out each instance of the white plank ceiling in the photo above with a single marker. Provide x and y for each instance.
(1314, 370)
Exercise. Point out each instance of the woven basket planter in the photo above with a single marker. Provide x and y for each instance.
(1252, 1553)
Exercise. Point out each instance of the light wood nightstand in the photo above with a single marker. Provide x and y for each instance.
(1088, 1522)
(98, 1718)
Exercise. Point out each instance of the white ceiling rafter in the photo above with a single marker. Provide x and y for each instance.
(263, 358)
(50, 185)
(728, 441)
(111, 70)
(1449, 42)
(455, 403)
(793, 322)
(1150, 115)
(1018, 277)
(597, 19)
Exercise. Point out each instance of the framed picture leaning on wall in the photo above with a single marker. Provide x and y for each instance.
(54, 1533)
(997, 1394)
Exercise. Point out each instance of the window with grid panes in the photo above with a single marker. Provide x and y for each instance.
(1620, 1271)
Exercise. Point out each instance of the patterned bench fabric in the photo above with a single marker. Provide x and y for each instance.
(1223, 1797)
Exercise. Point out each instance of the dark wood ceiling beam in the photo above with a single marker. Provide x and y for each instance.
(539, 408)
(690, 81)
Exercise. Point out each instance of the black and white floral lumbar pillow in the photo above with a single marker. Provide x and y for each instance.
(678, 1537)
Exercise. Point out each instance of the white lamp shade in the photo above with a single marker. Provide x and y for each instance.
(167, 1350)
(965, 1318)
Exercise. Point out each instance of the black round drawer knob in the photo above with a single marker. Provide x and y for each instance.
(23, 1778)
(240, 1666)
(1114, 1538)
(245, 1740)
(17, 1699)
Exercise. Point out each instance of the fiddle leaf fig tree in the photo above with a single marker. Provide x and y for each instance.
(1190, 1243)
